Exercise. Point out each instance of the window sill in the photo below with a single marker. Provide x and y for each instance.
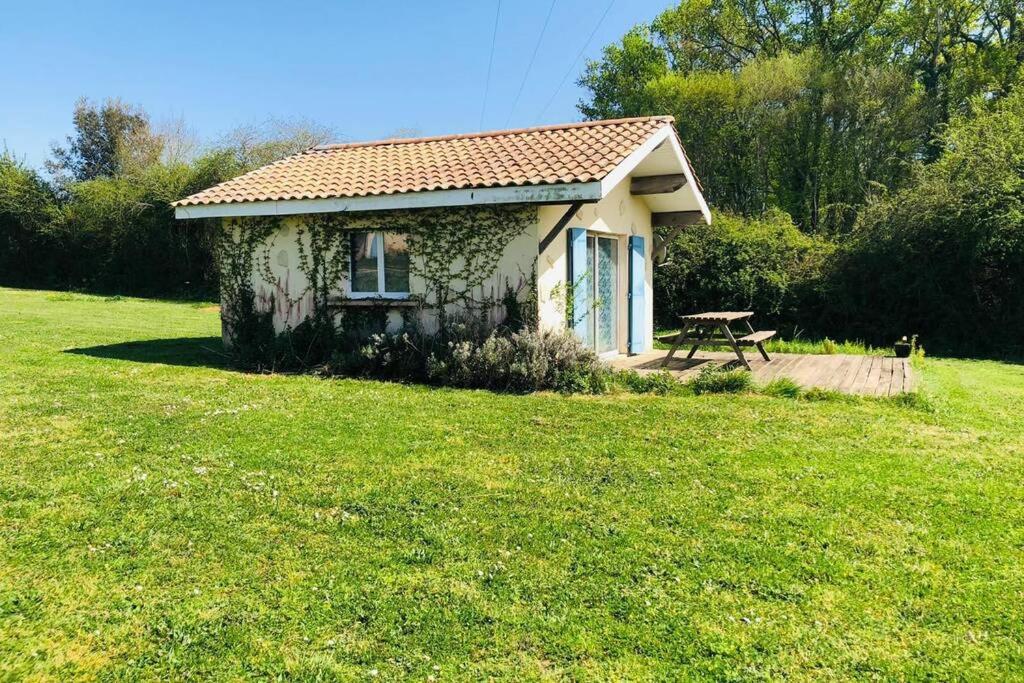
(374, 302)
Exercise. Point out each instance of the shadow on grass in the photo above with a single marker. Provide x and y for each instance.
(187, 351)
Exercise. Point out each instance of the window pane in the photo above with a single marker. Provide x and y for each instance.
(396, 263)
(364, 262)
(607, 288)
(586, 281)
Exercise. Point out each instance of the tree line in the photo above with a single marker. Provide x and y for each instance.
(100, 219)
(861, 155)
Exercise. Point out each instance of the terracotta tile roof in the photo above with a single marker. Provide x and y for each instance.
(570, 153)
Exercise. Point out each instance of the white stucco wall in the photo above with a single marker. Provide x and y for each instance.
(284, 290)
(620, 215)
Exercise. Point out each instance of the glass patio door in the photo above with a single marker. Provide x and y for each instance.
(603, 262)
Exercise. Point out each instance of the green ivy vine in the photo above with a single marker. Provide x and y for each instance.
(453, 251)
(235, 246)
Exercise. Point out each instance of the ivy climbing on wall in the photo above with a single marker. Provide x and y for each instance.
(324, 252)
(453, 253)
(236, 247)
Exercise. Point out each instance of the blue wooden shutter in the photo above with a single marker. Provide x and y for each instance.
(637, 298)
(579, 284)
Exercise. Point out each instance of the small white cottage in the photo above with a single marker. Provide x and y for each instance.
(561, 216)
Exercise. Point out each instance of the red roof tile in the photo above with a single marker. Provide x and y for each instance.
(570, 153)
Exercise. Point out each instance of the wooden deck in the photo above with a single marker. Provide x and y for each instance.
(866, 375)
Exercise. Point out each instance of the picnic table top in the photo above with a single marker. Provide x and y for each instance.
(717, 317)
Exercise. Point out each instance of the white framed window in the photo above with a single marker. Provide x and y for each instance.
(379, 265)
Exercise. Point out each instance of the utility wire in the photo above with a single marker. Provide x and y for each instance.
(573, 65)
(490, 63)
(533, 58)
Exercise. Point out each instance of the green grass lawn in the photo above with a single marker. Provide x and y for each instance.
(163, 517)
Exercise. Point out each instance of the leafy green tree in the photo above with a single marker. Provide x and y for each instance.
(725, 34)
(810, 105)
(722, 35)
(944, 257)
(105, 136)
(618, 83)
(734, 125)
(28, 209)
(956, 50)
(110, 228)
(759, 138)
(119, 234)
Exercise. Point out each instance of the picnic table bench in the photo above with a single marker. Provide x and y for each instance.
(699, 330)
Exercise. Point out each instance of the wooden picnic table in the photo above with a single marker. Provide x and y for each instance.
(704, 325)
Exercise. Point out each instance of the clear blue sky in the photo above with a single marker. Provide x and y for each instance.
(366, 69)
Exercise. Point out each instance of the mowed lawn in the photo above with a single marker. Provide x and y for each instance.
(163, 517)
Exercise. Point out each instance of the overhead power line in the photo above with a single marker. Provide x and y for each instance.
(529, 66)
(578, 55)
(490, 63)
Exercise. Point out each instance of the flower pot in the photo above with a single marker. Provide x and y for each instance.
(902, 349)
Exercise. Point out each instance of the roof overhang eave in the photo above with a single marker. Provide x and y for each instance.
(561, 193)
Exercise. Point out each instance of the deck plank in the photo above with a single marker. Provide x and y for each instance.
(801, 370)
(883, 379)
(852, 373)
(873, 376)
(896, 386)
(907, 383)
(885, 388)
(825, 368)
(857, 387)
(775, 368)
(847, 366)
(808, 370)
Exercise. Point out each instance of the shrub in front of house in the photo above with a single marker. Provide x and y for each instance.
(660, 383)
(782, 387)
(466, 352)
(518, 362)
(763, 264)
(714, 380)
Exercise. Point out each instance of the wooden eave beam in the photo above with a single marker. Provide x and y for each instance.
(562, 222)
(672, 219)
(656, 184)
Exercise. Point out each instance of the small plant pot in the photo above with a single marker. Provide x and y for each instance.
(902, 349)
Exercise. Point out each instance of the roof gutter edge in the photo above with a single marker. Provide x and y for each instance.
(561, 193)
